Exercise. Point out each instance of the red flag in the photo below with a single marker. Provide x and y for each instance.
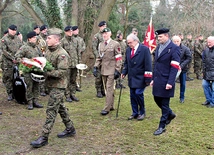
(149, 39)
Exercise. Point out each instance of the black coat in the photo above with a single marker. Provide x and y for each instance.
(208, 64)
(185, 57)
(138, 68)
(165, 69)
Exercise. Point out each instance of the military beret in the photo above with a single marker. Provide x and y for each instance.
(13, 27)
(54, 31)
(74, 28)
(36, 27)
(6, 31)
(31, 34)
(43, 27)
(68, 28)
(106, 30)
(134, 29)
(102, 23)
(161, 31)
(18, 33)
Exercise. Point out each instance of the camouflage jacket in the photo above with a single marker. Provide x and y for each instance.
(189, 44)
(123, 47)
(9, 46)
(198, 48)
(59, 58)
(98, 38)
(41, 44)
(29, 51)
(81, 44)
(70, 44)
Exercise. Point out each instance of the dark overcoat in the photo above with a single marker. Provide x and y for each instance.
(139, 67)
(165, 70)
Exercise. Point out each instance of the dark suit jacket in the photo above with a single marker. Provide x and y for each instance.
(138, 68)
(186, 57)
(165, 70)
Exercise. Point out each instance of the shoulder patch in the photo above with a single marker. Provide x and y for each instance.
(63, 56)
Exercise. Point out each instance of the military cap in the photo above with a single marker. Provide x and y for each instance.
(68, 28)
(134, 29)
(13, 27)
(161, 31)
(18, 33)
(43, 27)
(6, 31)
(36, 27)
(31, 34)
(102, 23)
(54, 31)
(106, 30)
(74, 28)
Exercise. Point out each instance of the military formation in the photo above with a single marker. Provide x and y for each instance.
(64, 53)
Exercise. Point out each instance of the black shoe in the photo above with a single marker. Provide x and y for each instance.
(117, 86)
(43, 94)
(10, 97)
(41, 141)
(210, 106)
(37, 105)
(78, 89)
(181, 100)
(170, 118)
(74, 98)
(140, 117)
(99, 94)
(205, 103)
(0, 113)
(68, 99)
(189, 79)
(159, 131)
(132, 117)
(30, 107)
(103, 112)
(67, 133)
(112, 109)
(103, 93)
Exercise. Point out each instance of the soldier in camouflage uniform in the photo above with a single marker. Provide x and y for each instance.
(30, 51)
(43, 31)
(198, 49)
(70, 44)
(98, 38)
(57, 83)
(123, 46)
(190, 45)
(81, 49)
(42, 46)
(10, 45)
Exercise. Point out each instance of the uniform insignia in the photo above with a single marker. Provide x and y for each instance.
(63, 56)
(118, 48)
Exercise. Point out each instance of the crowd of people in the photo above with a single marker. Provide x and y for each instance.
(114, 60)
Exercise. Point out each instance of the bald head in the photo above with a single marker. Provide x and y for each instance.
(210, 41)
(176, 40)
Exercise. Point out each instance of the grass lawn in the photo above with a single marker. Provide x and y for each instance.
(190, 133)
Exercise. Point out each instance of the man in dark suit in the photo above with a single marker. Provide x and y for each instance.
(138, 66)
(166, 65)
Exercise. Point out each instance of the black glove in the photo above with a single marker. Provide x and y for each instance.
(95, 72)
(116, 74)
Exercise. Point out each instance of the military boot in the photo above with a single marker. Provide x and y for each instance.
(41, 141)
(117, 86)
(10, 97)
(99, 94)
(74, 98)
(30, 105)
(36, 104)
(0, 113)
(67, 133)
(68, 99)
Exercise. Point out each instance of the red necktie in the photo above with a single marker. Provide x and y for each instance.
(132, 54)
(106, 43)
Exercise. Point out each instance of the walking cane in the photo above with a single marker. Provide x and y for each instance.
(118, 105)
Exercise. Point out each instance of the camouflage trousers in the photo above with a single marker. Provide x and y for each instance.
(99, 81)
(198, 66)
(32, 91)
(56, 105)
(71, 89)
(7, 78)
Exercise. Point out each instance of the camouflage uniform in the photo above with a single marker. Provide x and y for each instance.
(98, 38)
(29, 51)
(198, 49)
(10, 45)
(70, 45)
(57, 82)
(123, 52)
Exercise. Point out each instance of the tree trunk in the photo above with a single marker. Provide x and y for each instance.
(106, 9)
(75, 15)
(31, 11)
